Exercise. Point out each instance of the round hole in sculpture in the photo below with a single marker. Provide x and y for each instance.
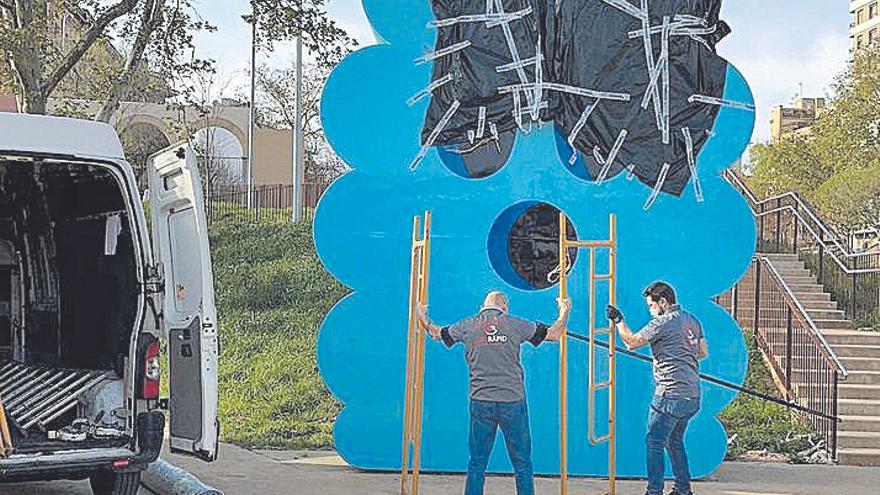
(524, 245)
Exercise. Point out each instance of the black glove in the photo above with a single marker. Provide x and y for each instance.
(614, 314)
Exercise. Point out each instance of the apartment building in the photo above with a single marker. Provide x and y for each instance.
(797, 118)
(865, 27)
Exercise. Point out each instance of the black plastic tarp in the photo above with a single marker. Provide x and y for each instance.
(583, 53)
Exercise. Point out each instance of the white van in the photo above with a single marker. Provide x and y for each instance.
(87, 296)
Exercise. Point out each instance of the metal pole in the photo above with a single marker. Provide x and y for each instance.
(854, 305)
(788, 352)
(834, 397)
(252, 130)
(778, 226)
(734, 303)
(761, 247)
(757, 297)
(794, 405)
(298, 168)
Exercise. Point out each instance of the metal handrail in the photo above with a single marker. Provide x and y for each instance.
(737, 182)
(731, 176)
(805, 317)
(841, 264)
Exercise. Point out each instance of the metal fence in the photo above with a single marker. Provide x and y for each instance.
(267, 203)
(803, 365)
(788, 224)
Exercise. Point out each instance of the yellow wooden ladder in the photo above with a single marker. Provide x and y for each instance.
(611, 278)
(6, 446)
(415, 357)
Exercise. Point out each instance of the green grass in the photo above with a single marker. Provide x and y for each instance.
(761, 425)
(272, 294)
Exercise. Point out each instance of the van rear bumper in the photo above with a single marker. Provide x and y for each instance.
(79, 464)
(72, 464)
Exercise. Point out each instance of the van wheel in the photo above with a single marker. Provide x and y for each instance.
(110, 483)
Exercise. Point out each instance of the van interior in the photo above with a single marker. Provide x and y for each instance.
(68, 303)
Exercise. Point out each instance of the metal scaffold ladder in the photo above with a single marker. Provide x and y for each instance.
(565, 244)
(415, 357)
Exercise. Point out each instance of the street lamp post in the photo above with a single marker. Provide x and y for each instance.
(252, 130)
(298, 163)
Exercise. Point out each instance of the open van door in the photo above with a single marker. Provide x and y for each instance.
(180, 242)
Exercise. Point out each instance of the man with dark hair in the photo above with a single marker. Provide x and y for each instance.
(677, 343)
(492, 341)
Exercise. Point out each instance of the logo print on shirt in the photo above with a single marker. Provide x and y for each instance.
(692, 340)
(492, 335)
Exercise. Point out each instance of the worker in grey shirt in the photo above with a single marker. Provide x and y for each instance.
(677, 344)
(492, 341)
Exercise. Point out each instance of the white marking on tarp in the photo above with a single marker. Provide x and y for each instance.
(449, 50)
(692, 163)
(564, 88)
(578, 127)
(435, 134)
(661, 179)
(434, 86)
(618, 144)
(711, 100)
(627, 7)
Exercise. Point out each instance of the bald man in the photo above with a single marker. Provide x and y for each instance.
(492, 341)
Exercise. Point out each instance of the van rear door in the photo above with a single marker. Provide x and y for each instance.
(180, 241)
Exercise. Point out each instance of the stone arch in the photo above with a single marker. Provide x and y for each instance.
(142, 136)
(226, 124)
(221, 155)
(145, 119)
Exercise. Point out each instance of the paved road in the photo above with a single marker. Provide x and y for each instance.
(56, 488)
(241, 472)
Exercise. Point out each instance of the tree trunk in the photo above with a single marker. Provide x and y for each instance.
(27, 60)
(35, 104)
(150, 18)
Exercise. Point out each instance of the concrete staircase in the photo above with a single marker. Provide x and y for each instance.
(859, 395)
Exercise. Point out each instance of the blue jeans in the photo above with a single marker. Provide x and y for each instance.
(667, 423)
(513, 419)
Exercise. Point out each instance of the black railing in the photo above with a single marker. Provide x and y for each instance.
(803, 365)
(267, 203)
(788, 224)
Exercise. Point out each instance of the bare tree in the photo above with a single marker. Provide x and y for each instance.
(198, 114)
(276, 108)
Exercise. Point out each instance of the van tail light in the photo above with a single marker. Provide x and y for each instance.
(152, 372)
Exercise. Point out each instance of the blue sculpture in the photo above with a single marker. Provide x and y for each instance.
(701, 241)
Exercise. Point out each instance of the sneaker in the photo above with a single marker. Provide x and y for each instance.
(676, 492)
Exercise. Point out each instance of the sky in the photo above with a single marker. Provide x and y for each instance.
(779, 45)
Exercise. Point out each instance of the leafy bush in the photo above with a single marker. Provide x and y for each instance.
(762, 425)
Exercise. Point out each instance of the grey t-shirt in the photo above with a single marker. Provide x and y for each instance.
(675, 342)
(492, 343)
